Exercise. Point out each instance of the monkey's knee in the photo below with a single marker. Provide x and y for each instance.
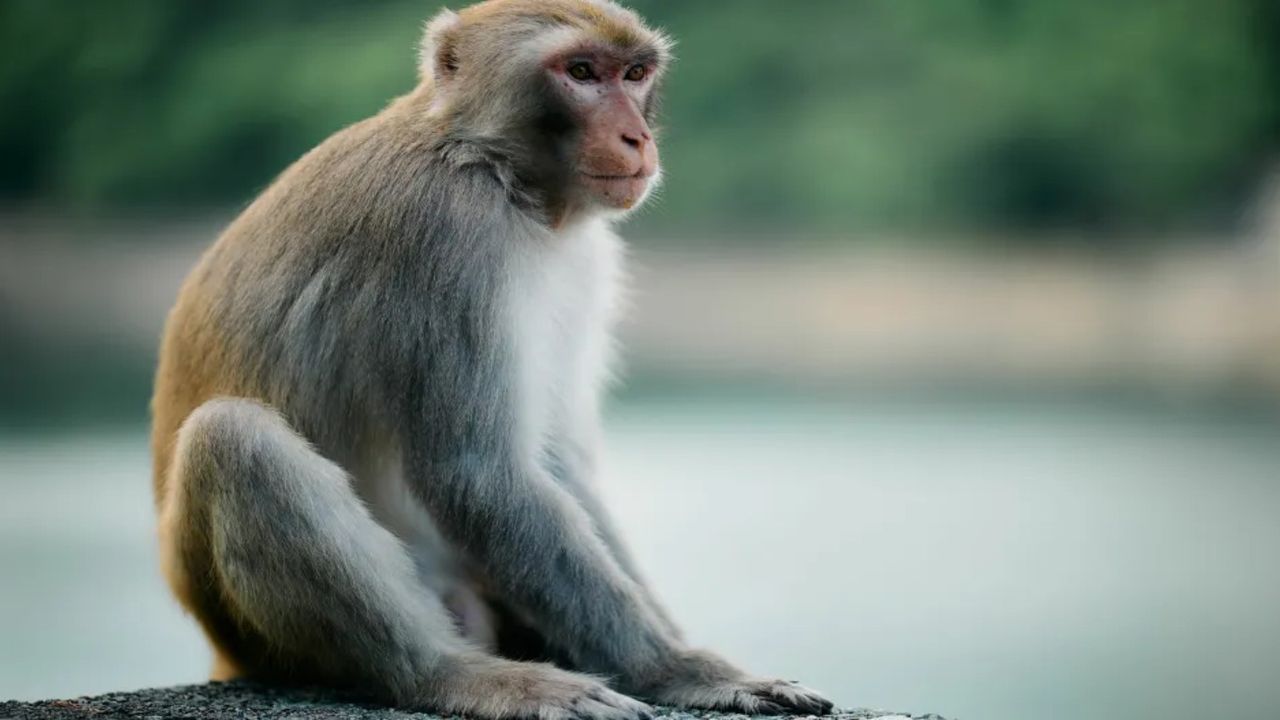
(237, 459)
(223, 420)
(212, 451)
(244, 475)
(227, 441)
(219, 448)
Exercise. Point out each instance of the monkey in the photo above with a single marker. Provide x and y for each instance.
(376, 413)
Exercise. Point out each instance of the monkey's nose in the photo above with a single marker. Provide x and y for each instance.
(635, 149)
(635, 141)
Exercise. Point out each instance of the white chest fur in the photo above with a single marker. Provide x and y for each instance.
(561, 299)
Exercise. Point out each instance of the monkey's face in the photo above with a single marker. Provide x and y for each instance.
(604, 93)
(568, 87)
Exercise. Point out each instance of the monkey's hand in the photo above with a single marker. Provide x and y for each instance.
(700, 679)
(497, 689)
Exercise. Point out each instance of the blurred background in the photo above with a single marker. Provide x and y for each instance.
(953, 360)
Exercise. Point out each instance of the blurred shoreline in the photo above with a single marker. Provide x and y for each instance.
(1191, 322)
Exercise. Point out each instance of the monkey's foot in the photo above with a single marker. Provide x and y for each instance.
(506, 690)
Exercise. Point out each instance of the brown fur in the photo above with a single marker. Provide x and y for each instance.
(609, 23)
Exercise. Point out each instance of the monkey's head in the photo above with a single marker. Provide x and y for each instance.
(566, 90)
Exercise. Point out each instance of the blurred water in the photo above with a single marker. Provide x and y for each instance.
(980, 561)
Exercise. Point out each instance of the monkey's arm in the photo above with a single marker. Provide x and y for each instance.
(538, 547)
(573, 461)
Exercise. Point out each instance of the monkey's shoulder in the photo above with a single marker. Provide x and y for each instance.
(386, 173)
(375, 194)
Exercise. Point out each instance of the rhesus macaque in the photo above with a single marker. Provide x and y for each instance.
(376, 414)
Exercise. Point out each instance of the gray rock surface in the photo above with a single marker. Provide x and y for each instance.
(241, 700)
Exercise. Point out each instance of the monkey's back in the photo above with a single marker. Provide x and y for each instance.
(301, 302)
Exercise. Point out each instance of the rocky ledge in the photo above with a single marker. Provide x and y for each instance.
(247, 701)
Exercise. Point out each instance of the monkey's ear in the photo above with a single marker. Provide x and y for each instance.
(438, 54)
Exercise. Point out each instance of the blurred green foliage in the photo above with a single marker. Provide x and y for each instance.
(821, 114)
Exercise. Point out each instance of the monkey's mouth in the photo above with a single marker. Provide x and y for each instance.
(620, 191)
(642, 175)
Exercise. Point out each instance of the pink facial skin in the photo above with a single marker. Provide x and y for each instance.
(618, 156)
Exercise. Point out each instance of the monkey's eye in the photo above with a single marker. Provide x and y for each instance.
(581, 72)
(636, 73)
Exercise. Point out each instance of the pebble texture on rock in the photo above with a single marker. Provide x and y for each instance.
(247, 701)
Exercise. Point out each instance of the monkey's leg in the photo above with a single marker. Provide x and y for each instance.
(293, 578)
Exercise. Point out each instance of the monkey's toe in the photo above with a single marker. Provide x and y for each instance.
(609, 705)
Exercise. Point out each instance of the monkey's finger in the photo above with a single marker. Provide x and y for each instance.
(769, 707)
(812, 705)
(797, 698)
